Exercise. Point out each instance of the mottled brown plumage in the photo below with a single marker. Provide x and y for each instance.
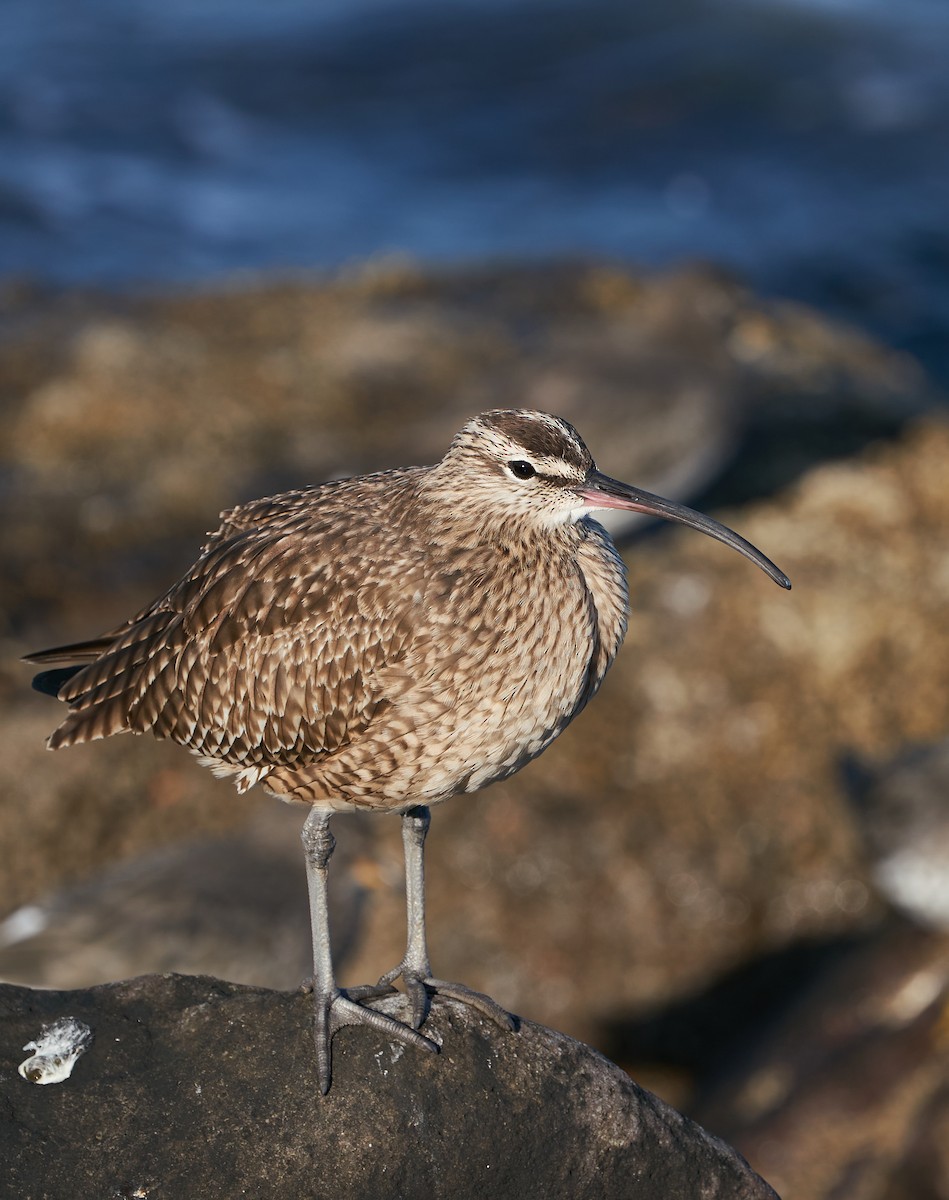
(382, 642)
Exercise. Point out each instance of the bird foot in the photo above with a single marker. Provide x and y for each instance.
(336, 1009)
(419, 984)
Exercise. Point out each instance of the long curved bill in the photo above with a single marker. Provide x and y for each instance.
(600, 491)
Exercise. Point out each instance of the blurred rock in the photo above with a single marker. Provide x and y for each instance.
(845, 1093)
(847, 1096)
(232, 903)
(130, 423)
(193, 1087)
(923, 1173)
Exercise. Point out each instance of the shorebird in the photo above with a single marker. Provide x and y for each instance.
(382, 642)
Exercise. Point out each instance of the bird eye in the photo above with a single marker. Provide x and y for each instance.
(521, 469)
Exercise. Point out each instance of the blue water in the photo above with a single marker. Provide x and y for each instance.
(806, 144)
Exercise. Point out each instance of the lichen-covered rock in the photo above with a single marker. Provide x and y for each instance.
(197, 1088)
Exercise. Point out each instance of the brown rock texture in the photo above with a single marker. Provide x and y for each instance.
(193, 1087)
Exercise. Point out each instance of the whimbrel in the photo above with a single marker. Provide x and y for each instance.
(382, 643)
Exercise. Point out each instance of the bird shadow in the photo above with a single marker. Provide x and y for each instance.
(705, 1033)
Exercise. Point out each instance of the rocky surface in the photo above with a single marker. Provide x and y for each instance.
(193, 1087)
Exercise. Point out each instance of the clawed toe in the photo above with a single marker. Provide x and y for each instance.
(336, 1010)
(419, 988)
(370, 991)
(419, 1001)
(476, 1000)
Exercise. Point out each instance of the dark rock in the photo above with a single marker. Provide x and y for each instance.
(194, 1087)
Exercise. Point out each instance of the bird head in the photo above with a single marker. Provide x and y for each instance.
(530, 467)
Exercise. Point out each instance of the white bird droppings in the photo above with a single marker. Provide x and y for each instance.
(55, 1051)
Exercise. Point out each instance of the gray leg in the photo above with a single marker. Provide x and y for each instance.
(414, 968)
(334, 1008)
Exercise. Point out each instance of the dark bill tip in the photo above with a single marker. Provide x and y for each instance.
(600, 491)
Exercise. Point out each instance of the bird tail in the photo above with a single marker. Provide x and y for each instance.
(76, 652)
(102, 679)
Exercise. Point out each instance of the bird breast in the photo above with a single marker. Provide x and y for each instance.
(504, 647)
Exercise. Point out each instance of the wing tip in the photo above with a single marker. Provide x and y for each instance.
(50, 683)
